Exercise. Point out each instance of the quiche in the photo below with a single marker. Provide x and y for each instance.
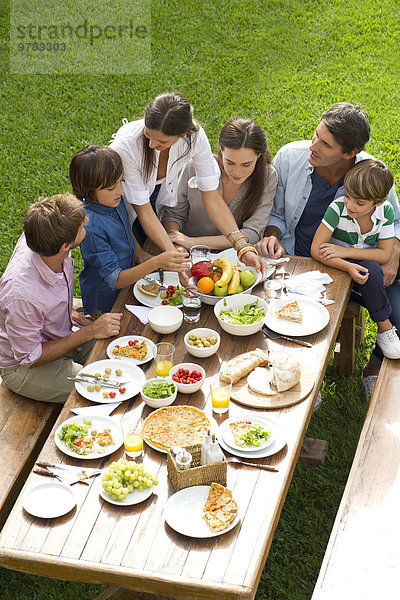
(151, 289)
(220, 508)
(138, 351)
(173, 426)
(290, 311)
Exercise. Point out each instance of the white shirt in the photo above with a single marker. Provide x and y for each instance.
(128, 143)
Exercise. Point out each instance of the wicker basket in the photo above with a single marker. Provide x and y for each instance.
(198, 474)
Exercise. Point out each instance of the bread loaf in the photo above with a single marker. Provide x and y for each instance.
(241, 365)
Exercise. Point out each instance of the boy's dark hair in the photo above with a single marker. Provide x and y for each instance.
(51, 222)
(349, 125)
(93, 168)
(368, 179)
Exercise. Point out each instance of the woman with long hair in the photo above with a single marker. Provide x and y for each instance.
(154, 151)
(247, 184)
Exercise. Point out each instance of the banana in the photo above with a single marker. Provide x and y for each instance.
(234, 282)
(227, 270)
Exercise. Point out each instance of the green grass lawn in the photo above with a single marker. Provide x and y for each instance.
(281, 62)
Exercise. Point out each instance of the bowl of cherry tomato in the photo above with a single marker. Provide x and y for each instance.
(188, 377)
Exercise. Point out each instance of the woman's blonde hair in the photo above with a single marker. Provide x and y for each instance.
(368, 179)
(51, 222)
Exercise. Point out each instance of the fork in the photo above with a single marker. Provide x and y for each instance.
(277, 336)
(163, 288)
(249, 464)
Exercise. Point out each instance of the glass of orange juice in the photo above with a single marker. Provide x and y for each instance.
(221, 393)
(132, 431)
(164, 358)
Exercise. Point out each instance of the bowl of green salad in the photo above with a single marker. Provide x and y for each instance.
(159, 392)
(243, 314)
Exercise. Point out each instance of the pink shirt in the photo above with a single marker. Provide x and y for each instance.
(35, 306)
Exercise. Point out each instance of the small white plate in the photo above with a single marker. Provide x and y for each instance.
(184, 513)
(99, 423)
(228, 436)
(130, 372)
(170, 278)
(277, 444)
(128, 500)
(315, 317)
(49, 500)
(123, 341)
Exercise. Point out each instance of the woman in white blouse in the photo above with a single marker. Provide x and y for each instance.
(154, 151)
(247, 184)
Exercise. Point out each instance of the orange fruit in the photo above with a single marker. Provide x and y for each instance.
(216, 276)
(205, 285)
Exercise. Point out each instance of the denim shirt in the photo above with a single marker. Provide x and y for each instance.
(107, 249)
(294, 188)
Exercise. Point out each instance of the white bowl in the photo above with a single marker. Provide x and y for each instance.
(202, 332)
(188, 388)
(158, 402)
(212, 300)
(165, 319)
(239, 301)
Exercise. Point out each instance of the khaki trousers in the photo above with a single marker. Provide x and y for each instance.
(48, 382)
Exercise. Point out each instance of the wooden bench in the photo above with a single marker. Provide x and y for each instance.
(24, 426)
(362, 560)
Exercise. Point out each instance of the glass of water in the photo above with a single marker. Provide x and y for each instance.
(191, 302)
(273, 289)
(199, 253)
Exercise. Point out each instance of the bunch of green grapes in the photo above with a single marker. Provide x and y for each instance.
(124, 477)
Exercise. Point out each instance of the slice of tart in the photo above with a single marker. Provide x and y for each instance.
(151, 289)
(290, 311)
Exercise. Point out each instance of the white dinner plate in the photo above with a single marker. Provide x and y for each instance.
(124, 341)
(315, 317)
(277, 444)
(228, 436)
(99, 423)
(128, 500)
(170, 278)
(49, 500)
(130, 372)
(184, 513)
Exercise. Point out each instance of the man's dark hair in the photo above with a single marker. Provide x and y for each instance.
(349, 125)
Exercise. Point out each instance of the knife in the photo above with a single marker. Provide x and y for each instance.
(66, 473)
(269, 333)
(115, 386)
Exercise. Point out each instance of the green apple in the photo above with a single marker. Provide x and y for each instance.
(240, 289)
(220, 291)
(247, 278)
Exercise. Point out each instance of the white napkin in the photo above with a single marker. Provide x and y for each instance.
(141, 312)
(309, 284)
(96, 409)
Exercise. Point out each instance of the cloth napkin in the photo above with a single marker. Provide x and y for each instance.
(309, 284)
(141, 312)
(102, 410)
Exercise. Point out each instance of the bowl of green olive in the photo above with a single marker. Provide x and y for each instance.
(202, 342)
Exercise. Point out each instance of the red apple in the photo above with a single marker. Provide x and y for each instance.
(203, 268)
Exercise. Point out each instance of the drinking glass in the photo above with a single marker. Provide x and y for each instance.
(191, 302)
(199, 253)
(273, 289)
(132, 431)
(221, 393)
(164, 358)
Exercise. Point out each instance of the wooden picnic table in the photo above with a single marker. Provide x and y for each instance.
(133, 547)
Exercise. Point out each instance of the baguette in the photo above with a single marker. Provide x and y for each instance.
(243, 364)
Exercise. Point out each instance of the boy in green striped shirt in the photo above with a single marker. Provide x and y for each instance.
(357, 235)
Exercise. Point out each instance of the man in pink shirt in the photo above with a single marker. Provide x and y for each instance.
(38, 348)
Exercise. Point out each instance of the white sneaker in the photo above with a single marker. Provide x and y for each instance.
(389, 343)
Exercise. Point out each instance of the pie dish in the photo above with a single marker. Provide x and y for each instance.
(173, 426)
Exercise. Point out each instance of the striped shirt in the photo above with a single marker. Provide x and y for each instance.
(346, 230)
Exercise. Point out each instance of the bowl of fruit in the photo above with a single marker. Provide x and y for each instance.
(220, 278)
(202, 342)
(243, 314)
(188, 377)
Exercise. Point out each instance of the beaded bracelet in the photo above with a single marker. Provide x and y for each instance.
(245, 249)
(228, 235)
(238, 240)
